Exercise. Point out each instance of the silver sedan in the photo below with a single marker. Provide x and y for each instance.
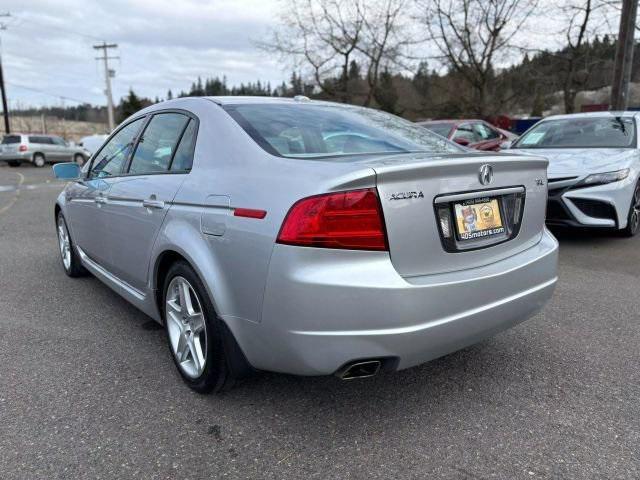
(594, 168)
(306, 237)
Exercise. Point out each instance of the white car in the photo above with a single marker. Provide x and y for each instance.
(92, 143)
(594, 165)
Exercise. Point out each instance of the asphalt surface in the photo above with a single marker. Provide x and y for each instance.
(88, 390)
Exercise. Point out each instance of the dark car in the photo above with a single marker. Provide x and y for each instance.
(476, 134)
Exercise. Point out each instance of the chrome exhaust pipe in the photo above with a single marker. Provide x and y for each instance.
(360, 370)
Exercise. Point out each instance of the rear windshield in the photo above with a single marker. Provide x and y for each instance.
(9, 139)
(312, 131)
(442, 129)
(593, 132)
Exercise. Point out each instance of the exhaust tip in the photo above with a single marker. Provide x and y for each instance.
(355, 370)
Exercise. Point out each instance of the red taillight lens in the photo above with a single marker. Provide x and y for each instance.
(350, 220)
(22, 148)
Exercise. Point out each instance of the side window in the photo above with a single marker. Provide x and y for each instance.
(40, 140)
(465, 132)
(183, 159)
(111, 158)
(58, 141)
(485, 132)
(158, 143)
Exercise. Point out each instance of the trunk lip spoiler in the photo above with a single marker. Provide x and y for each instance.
(456, 197)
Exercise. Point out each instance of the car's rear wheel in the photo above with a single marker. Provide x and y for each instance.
(633, 219)
(39, 160)
(68, 256)
(195, 334)
(79, 159)
(14, 163)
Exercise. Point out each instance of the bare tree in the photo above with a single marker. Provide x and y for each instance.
(473, 37)
(385, 39)
(583, 20)
(321, 37)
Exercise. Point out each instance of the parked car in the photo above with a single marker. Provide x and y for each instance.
(306, 237)
(594, 166)
(92, 143)
(476, 134)
(39, 150)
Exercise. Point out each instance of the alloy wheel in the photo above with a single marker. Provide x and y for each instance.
(64, 243)
(186, 326)
(634, 218)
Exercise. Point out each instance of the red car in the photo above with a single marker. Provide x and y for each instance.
(476, 134)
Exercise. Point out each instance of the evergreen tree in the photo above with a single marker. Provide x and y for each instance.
(130, 105)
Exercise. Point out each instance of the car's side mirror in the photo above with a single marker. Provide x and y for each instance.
(462, 141)
(67, 171)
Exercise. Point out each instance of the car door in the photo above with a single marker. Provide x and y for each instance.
(62, 152)
(139, 201)
(87, 197)
(50, 149)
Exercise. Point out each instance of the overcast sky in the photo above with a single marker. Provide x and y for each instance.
(163, 44)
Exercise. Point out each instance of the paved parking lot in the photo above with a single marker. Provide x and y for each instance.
(88, 390)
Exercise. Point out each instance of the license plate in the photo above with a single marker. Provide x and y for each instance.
(478, 218)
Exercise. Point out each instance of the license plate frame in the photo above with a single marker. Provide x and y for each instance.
(479, 218)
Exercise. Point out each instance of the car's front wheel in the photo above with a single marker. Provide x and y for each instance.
(195, 334)
(633, 219)
(70, 261)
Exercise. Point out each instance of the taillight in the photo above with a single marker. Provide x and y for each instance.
(349, 220)
(22, 148)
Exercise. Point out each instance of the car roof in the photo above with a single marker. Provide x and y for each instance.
(231, 100)
(607, 113)
(456, 121)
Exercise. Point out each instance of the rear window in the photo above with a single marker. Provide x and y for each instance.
(313, 131)
(441, 129)
(9, 139)
(593, 132)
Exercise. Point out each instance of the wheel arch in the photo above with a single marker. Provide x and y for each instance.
(196, 259)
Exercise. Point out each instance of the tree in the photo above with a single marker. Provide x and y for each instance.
(131, 104)
(320, 36)
(328, 39)
(470, 37)
(385, 38)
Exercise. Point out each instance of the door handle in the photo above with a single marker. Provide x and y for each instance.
(100, 200)
(152, 203)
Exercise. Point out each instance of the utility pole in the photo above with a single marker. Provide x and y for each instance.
(108, 73)
(5, 108)
(624, 56)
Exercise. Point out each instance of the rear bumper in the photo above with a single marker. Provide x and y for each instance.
(324, 309)
(17, 156)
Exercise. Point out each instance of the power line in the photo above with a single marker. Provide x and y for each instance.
(37, 90)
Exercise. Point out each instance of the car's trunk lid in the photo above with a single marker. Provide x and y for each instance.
(415, 189)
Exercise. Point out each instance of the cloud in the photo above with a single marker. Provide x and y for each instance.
(163, 44)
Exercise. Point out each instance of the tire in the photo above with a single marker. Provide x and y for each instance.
(68, 255)
(14, 163)
(79, 159)
(196, 332)
(39, 160)
(633, 217)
